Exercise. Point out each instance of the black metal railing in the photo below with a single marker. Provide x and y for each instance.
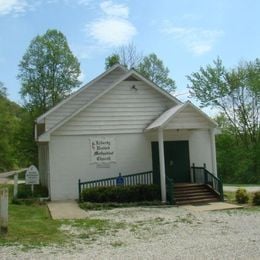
(201, 175)
(130, 179)
(170, 190)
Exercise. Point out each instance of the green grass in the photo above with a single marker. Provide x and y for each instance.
(31, 225)
(113, 205)
(231, 198)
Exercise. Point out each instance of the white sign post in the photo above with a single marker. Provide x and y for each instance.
(32, 176)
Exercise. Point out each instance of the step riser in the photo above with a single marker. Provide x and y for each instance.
(195, 202)
(193, 194)
(196, 196)
(193, 190)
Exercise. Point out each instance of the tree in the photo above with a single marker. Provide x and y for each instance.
(152, 68)
(149, 66)
(9, 123)
(112, 60)
(2, 90)
(126, 55)
(48, 71)
(236, 94)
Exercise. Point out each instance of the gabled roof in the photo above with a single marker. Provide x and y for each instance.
(40, 118)
(132, 72)
(168, 115)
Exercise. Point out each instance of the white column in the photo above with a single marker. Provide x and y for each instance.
(213, 151)
(162, 165)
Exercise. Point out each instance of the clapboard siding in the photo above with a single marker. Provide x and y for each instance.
(117, 113)
(82, 98)
(188, 119)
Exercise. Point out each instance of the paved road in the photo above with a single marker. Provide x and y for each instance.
(248, 188)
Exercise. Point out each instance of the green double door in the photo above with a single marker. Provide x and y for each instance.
(177, 162)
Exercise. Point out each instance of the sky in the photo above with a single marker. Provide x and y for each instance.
(185, 34)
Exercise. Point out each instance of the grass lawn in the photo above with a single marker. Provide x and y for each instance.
(31, 225)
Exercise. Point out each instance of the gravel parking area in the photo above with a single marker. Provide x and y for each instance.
(157, 233)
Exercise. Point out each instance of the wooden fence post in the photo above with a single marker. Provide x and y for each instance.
(4, 211)
(15, 185)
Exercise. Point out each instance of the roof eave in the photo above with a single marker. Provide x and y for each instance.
(40, 118)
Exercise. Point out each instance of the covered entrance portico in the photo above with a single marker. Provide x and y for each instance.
(172, 157)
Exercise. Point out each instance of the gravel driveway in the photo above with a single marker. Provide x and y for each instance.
(158, 233)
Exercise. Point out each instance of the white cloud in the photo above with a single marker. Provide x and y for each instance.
(84, 2)
(111, 31)
(111, 9)
(197, 40)
(86, 50)
(113, 28)
(13, 6)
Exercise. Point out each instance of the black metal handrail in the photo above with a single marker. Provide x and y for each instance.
(170, 190)
(130, 179)
(203, 176)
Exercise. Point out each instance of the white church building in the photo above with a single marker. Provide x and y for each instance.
(120, 122)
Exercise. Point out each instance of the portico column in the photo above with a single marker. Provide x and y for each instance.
(213, 151)
(162, 164)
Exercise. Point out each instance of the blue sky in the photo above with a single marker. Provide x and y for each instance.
(185, 34)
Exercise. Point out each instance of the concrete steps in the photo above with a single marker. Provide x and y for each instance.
(194, 194)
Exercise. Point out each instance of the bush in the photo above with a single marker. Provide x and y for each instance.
(24, 191)
(242, 196)
(113, 205)
(121, 194)
(256, 198)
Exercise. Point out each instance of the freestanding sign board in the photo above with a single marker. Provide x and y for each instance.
(32, 175)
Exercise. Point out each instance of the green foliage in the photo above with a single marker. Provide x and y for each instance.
(26, 146)
(112, 205)
(235, 163)
(242, 196)
(256, 198)
(17, 146)
(112, 60)
(121, 194)
(10, 121)
(149, 66)
(2, 90)
(235, 93)
(48, 71)
(152, 68)
(126, 55)
(25, 192)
